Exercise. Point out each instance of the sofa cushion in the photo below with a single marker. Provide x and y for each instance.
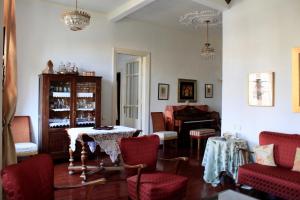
(284, 147)
(279, 181)
(264, 155)
(296, 166)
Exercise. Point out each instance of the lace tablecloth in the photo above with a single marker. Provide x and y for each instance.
(222, 155)
(106, 139)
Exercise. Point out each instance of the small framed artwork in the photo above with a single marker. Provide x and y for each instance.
(261, 89)
(187, 90)
(163, 91)
(296, 79)
(209, 91)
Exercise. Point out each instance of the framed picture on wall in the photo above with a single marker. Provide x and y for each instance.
(261, 89)
(209, 91)
(296, 79)
(187, 90)
(163, 91)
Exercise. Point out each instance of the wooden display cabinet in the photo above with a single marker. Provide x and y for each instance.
(66, 101)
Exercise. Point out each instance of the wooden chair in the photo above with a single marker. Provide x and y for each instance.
(144, 182)
(159, 128)
(33, 178)
(20, 128)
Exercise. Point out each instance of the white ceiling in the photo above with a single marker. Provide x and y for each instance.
(104, 6)
(160, 12)
(167, 12)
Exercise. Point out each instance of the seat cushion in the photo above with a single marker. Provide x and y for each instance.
(158, 185)
(202, 132)
(26, 149)
(166, 135)
(279, 181)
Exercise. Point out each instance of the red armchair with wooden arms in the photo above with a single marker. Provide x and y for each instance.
(34, 179)
(144, 182)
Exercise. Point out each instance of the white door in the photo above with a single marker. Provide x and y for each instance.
(130, 94)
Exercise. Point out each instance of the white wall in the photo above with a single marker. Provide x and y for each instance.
(41, 36)
(258, 37)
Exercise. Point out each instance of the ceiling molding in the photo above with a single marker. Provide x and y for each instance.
(127, 9)
(220, 5)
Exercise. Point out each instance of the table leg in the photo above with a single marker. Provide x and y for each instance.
(191, 145)
(71, 160)
(83, 162)
(198, 149)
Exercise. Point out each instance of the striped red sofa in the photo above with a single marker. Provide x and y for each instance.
(280, 181)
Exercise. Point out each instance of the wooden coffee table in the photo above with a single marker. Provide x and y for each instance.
(230, 195)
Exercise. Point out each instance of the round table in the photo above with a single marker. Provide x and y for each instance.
(222, 155)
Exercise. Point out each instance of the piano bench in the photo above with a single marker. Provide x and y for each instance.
(199, 134)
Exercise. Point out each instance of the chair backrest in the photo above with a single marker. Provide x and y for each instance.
(140, 150)
(284, 146)
(158, 122)
(136, 133)
(20, 127)
(31, 179)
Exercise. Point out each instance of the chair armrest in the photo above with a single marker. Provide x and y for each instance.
(175, 159)
(245, 150)
(90, 186)
(86, 184)
(139, 166)
(178, 161)
(245, 153)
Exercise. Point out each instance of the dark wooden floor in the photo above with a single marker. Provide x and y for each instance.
(116, 189)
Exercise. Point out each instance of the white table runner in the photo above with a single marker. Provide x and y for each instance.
(106, 139)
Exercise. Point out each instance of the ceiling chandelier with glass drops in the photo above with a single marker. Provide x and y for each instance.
(76, 19)
(207, 51)
(198, 18)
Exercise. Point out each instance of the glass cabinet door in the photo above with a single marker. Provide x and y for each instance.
(85, 104)
(59, 104)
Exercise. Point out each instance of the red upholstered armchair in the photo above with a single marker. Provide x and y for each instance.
(34, 179)
(144, 181)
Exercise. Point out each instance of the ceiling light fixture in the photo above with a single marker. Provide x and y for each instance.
(76, 19)
(207, 51)
(198, 18)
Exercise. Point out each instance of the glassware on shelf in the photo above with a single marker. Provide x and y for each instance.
(59, 122)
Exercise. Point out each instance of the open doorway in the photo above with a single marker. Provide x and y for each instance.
(131, 89)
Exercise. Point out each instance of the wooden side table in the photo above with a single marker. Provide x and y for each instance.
(199, 134)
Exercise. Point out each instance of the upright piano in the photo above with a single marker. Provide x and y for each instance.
(184, 118)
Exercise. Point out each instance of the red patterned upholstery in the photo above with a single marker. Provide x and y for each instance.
(154, 185)
(280, 180)
(284, 146)
(31, 179)
(140, 150)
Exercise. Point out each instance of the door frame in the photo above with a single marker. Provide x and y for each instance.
(146, 70)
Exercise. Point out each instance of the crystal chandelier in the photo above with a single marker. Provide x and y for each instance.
(196, 19)
(76, 20)
(207, 51)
